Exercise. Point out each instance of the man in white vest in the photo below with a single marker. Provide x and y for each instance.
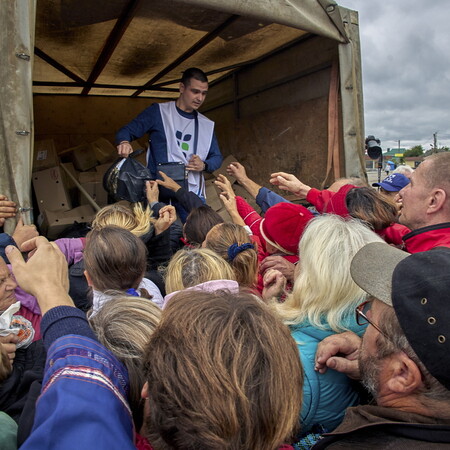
(177, 132)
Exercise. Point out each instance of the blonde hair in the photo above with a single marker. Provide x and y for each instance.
(192, 266)
(137, 220)
(324, 291)
(245, 263)
(124, 326)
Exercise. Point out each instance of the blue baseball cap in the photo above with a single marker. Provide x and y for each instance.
(393, 183)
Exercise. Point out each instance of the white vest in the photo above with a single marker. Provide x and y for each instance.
(180, 132)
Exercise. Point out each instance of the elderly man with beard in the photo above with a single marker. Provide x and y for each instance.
(403, 358)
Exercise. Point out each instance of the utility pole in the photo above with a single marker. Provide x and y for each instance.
(435, 142)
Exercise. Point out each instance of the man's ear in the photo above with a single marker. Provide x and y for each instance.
(182, 88)
(437, 201)
(404, 375)
(144, 392)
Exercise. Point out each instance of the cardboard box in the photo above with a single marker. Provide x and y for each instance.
(83, 157)
(224, 214)
(101, 170)
(51, 191)
(88, 177)
(96, 191)
(222, 170)
(54, 223)
(104, 151)
(212, 195)
(69, 184)
(44, 156)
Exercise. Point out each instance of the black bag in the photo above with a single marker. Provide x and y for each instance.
(174, 170)
(125, 179)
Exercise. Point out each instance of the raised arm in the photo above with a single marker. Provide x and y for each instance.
(238, 171)
(228, 198)
(291, 183)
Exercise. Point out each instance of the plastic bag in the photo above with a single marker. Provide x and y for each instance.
(125, 179)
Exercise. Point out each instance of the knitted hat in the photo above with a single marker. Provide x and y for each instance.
(337, 204)
(283, 225)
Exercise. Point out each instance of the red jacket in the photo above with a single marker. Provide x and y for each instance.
(335, 202)
(426, 238)
(394, 234)
(330, 202)
(253, 220)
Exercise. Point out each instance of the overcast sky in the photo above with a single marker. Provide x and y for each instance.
(406, 70)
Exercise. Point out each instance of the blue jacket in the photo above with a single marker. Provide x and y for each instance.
(150, 122)
(325, 396)
(5, 240)
(84, 398)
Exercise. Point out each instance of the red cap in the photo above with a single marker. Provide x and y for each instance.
(283, 225)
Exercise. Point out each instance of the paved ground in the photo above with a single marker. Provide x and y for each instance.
(373, 176)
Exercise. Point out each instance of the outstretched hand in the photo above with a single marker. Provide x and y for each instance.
(227, 195)
(228, 198)
(291, 183)
(223, 183)
(237, 170)
(152, 191)
(168, 182)
(167, 216)
(44, 275)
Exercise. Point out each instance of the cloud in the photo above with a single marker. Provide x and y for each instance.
(406, 70)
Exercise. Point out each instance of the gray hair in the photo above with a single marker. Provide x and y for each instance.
(404, 170)
(432, 394)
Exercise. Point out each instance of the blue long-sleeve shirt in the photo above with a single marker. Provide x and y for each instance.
(150, 122)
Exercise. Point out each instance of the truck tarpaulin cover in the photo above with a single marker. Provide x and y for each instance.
(138, 48)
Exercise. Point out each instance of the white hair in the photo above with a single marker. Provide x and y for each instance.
(324, 291)
(404, 170)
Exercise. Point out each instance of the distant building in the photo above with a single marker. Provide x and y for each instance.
(413, 161)
(394, 152)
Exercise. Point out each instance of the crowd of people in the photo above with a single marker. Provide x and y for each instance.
(320, 323)
(314, 325)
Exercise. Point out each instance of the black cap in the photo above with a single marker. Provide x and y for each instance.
(420, 295)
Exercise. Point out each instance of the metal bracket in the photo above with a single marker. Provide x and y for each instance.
(23, 56)
(25, 209)
(23, 133)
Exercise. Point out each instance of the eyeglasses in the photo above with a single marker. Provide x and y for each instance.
(362, 319)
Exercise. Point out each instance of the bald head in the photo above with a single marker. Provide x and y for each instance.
(437, 169)
(426, 200)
